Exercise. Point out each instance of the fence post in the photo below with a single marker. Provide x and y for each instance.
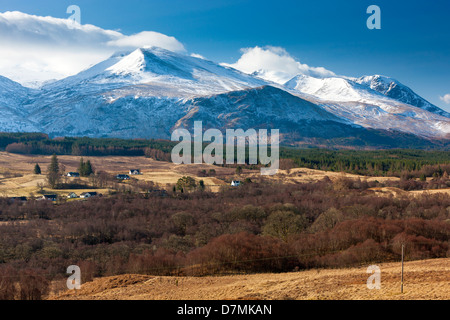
(403, 246)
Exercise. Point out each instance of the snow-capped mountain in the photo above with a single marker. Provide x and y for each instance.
(261, 107)
(135, 94)
(158, 72)
(149, 92)
(359, 103)
(393, 89)
(12, 98)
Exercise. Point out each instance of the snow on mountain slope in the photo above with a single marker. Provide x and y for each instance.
(401, 118)
(156, 117)
(148, 92)
(259, 107)
(137, 94)
(264, 107)
(332, 89)
(12, 115)
(367, 107)
(11, 92)
(298, 120)
(395, 90)
(169, 73)
(98, 116)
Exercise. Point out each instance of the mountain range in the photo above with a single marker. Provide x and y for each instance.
(149, 92)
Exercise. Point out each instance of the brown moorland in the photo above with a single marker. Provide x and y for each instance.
(160, 172)
(424, 279)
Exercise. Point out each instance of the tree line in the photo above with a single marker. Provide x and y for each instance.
(34, 143)
(368, 163)
(393, 162)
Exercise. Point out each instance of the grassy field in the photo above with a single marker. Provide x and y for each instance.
(163, 173)
(17, 179)
(426, 279)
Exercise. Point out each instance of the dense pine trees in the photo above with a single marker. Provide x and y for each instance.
(53, 174)
(85, 168)
(37, 169)
(371, 163)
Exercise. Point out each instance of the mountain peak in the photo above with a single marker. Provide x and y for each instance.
(378, 82)
(133, 62)
(394, 89)
(330, 88)
(153, 70)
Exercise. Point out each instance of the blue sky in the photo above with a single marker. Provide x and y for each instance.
(412, 46)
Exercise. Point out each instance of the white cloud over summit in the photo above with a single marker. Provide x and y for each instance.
(275, 64)
(445, 98)
(35, 48)
(148, 38)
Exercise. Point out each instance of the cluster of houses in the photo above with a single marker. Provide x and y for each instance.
(54, 197)
(90, 194)
(234, 183)
(126, 176)
(118, 177)
(84, 195)
(72, 195)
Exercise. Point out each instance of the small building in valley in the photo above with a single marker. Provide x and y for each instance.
(88, 194)
(18, 199)
(50, 197)
(72, 195)
(134, 171)
(73, 174)
(235, 183)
